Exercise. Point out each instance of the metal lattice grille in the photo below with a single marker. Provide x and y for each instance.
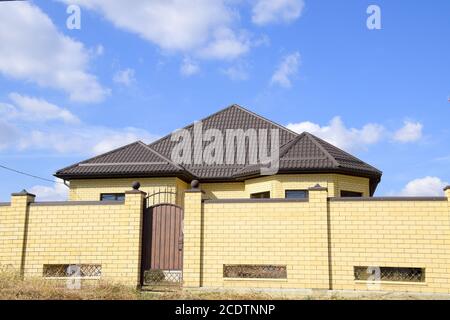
(68, 270)
(162, 196)
(163, 277)
(254, 271)
(389, 274)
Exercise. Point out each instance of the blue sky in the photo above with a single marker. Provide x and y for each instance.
(141, 72)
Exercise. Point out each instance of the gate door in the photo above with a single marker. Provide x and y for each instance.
(162, 246)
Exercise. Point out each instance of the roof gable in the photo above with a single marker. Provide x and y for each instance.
(135, 158)
(307, 152)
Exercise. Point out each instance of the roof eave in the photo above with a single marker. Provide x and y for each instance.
(185, 176)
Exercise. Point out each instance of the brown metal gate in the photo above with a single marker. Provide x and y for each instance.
(162, 246)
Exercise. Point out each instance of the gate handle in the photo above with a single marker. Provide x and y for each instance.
(180, 243)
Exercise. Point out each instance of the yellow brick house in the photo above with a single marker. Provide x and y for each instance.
(136, 216)
(305, 160)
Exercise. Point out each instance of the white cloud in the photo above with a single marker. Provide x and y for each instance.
(26, 129)
(287, 68)
(226, 45)
(34, 50)
(189, 67)
(272, 11)
(443, 158)
(204, 27)
(339, 135)
(8, 134)
(428, 186)
(85, 139)
(125, 77)
(350, 139)
(112, 139)
(59, 192)
(410, 132)
(33, 109)
(237, 72)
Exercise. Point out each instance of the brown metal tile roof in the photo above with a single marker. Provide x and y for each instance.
(233, 117)
(309, 153)
(135, 159)
(299, 153)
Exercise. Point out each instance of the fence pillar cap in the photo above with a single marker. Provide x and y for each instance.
(447, 188)
(195, 184)
(194, 191)
(136, 185)
(195, 187)
(23, 193)
(134, 191)
(318, 187)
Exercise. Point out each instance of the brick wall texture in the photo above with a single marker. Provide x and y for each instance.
(320, 239)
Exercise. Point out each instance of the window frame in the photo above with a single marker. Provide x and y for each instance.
(296, 190)
(387, 274)
(115, 195)
(351, 194)
(252, 195)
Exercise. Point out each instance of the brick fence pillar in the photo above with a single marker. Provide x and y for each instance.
(17, 231)
(192, 249)
(447, 194)
(321, 243)
(134, 210)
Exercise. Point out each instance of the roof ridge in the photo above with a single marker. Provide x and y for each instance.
(346, 153)
(100, 155)
(288, 145)
(163, 157)
(223, 110)
(313, 139)
(190, 125)
(265, 119)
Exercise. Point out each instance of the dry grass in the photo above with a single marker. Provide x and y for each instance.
(12, 287)
(186, 295)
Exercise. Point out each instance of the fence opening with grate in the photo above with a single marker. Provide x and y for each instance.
(254, 271)
(72, 270)
(389, 274)
(156, 277)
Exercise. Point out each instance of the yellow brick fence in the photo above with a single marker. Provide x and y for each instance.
(320, 241)
(93, 233)
(314, 243)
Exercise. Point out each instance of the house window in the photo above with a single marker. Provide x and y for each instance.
(260, 195)
(257, 271)
(296, 194)
(112, 197)
(351, 194)
(389, 274)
